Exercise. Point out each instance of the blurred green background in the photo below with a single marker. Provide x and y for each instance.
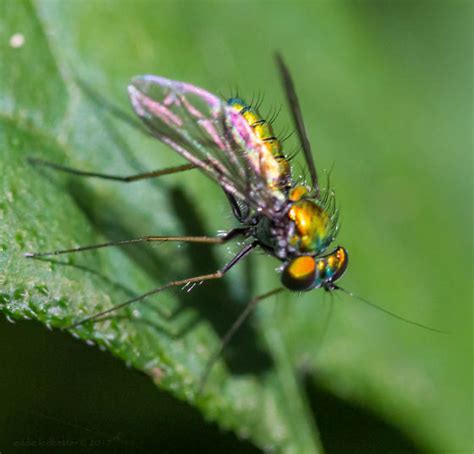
(386, 90)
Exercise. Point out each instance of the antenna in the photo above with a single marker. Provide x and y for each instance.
(375, 306)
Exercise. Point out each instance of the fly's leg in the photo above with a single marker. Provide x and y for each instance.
(147, 239)
(232, 330)
(240, 210)
(177, 283)
(105, 176)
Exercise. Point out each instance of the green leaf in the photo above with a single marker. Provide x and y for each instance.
(171, 337)
(375, 104)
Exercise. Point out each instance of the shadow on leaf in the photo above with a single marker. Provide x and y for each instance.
(214, 300)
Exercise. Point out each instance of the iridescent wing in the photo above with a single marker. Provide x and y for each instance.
(208, 133)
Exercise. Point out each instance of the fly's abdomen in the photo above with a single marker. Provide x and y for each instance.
(272, 161)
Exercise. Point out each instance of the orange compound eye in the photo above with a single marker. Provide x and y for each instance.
(299, 274)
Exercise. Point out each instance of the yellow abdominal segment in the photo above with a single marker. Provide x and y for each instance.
(270, 160)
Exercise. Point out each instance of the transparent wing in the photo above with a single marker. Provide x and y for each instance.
(208, 133)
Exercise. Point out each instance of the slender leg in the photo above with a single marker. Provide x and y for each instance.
(232, 330)
(146, 239)
(105, 176)
(323, 332)
(241, 212)
(204, 277)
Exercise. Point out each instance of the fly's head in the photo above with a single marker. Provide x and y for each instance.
(305, 272)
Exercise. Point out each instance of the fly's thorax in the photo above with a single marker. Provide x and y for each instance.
(304, 272)
(303, 228)
(314, 227)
